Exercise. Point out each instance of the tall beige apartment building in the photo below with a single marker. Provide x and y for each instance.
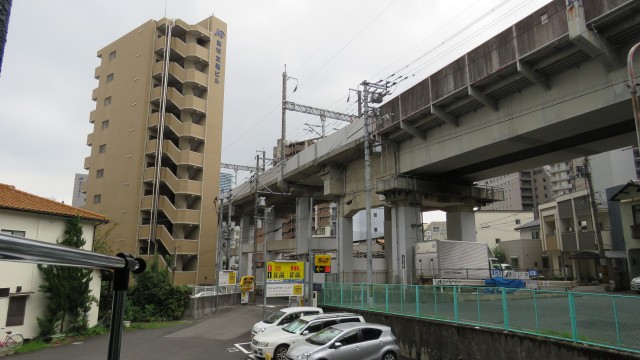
(154, 168)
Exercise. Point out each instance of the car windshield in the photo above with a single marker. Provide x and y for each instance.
(323, 336)
(296, 327)
(274, 317)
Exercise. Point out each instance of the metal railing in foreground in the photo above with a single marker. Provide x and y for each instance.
(611, 321)
(24, 250)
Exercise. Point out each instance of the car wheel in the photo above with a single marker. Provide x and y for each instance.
(280, 353)
(390, 355)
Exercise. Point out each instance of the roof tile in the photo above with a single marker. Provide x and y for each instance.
(14, 199)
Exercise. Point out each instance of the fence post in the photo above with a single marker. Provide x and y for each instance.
(535, 309)
(342, 294)
(572, 316)
(455, 303)
(361, 296)
(615, 315)
(435, 300)
(478, 302)
(386, 295)
(505, 309)
(417, 300)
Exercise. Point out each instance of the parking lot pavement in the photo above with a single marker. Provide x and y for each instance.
(214, 337)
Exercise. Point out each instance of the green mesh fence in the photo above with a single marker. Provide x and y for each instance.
(605, 320)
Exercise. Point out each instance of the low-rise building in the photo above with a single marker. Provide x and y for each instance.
(33, 217)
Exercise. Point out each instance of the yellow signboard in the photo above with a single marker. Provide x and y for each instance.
(285, 271)
(297, 289)
(246, 283)
(323, 260)
(232, 278)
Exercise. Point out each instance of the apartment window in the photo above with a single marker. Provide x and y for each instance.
(110, 78)
(497, 240)
(97, 199)
(535, 235)
(102, 149)
(107, 101)
(514, 262)
(100, 173)
(15, 313)
(517, 221)
(375, 229)
(635, 209)
(112, 55)
(14, 232)
(544, 18)
(105, 124)
(375, 214)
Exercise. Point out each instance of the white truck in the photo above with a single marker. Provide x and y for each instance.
(451, 259)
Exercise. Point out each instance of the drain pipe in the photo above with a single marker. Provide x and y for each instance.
(633, 90)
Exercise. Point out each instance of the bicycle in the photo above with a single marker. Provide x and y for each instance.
(12, 341)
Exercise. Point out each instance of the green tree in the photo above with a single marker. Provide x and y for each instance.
(154, 298)
(67, 290)
(499, 254)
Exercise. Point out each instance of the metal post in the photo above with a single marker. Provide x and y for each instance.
(284, 115)
(120, 286)
(309, 255)
(264, 270)
(255, 227)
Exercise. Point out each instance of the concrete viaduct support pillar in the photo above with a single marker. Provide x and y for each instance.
(461, 225)
(344, 259)
(303, 225)
(405, 231)
(246, 234)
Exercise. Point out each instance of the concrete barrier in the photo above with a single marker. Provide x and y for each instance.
(206, 305)
(422, 339)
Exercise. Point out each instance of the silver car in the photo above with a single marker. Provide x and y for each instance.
(362, 341)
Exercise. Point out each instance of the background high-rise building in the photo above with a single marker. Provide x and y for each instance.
(226, 182)
(154, 168)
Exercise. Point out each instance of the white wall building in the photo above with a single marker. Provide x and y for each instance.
(36, 218)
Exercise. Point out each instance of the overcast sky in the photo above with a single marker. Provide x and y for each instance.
(329, 46)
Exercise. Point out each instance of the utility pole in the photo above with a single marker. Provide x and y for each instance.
(594, 218)
(367, 181)
(255, 222)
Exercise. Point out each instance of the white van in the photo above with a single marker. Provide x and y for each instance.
(283, 317)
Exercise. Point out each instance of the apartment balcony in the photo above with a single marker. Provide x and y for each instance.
(180, 157)
(581, 240)
(87, 162)
(92, 116)
(83, 187)
(181, 26)
(89, 139)
(559, 168)
(192, 77)
(180, 246)
(550, 243)
(94, 94)
(559, 187)
(181, 129)
(96, 73)
(178, 186)
(176, 216)
(179, 100)
(191, 51)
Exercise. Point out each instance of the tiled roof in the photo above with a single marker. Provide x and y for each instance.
(14, 199)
